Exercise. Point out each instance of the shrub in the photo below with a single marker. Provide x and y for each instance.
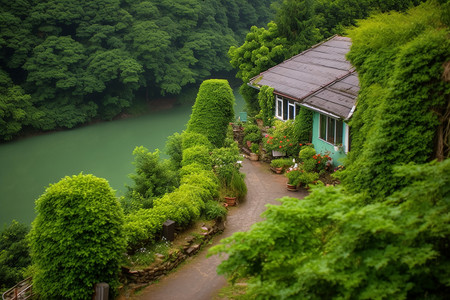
(213, 111)
(253, 137)
(174, 149)
(302, 127)
(281, 163)
(197, 154)
(281, 138)
(14, 254)
(77, 238)
(214, 210)
(204, 179)
(153, 178)
(266, 102)
(307, 160)
(190, 139)
(193, 169)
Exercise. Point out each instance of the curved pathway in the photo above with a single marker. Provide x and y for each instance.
(197, 278)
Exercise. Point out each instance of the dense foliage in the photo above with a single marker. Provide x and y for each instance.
(77, 238)
(153, 178)
(402, 96)
(64, 62)
(384, 233)
(213, 111)
(266, 101)
(298, 25)
(14, 255)
(330, 246)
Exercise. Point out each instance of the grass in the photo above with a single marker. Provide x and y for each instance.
(145, 256)
(236, 291)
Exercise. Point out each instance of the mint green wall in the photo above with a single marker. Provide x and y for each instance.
(323, 147)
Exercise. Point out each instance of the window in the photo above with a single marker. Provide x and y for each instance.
(279, 107)
(331, 130)
(291, 111)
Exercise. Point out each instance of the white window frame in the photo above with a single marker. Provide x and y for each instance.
(326, 130)
(279, 101)
(291, 105)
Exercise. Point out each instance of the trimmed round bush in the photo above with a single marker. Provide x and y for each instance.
(77, 238)
(213, 110)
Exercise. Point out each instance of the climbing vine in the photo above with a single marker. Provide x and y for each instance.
(266, 101)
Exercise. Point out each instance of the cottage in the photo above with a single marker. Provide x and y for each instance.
(322, 80)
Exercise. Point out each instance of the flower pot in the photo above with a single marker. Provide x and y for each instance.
(276, 153)
(231, 201)
(278, 170)
(254, 156)
(291, 187)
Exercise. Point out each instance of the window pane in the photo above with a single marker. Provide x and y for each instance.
(330, 132)
(279, 107)
(291, 111)
(323, 127)
(339, 129)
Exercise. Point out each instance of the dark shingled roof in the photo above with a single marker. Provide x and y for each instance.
(319, 78)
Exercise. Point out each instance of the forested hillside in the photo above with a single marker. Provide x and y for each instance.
(64, 62)
(298, 25)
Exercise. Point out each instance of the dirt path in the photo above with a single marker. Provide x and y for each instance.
(197, 278)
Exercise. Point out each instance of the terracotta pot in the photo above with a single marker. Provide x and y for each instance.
(231, 201)
(291, 187)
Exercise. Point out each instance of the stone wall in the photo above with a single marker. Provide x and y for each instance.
(167, 263)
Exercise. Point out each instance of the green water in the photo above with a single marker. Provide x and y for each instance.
(28, 166)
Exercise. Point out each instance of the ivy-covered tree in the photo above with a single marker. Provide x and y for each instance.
(403, 98)
(77, 238)
(213, 111)
(266, 102)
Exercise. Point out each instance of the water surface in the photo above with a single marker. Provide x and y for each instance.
(105, 149)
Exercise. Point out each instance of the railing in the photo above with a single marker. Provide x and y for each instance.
(21, 291)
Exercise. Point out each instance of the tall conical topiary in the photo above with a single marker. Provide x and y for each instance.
(213, 110)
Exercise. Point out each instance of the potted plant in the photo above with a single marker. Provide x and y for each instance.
(307, 178)
(234, 188)
(277, 165)
(254, 149)
(294, 177)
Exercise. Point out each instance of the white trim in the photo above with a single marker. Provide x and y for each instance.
(351, 112)
(277, 100)
(289, 108)
(320, 111)
(347, 137)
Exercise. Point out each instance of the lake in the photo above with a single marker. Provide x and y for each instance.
(104, 149)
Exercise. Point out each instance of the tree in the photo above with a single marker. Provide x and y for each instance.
(266, 101)
(403, 93)
(77, 238)
(213, 110)
(330, 245)
(153, 178)
(14, 254)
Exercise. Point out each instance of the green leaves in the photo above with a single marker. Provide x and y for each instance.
(213, 111)
(77, 238)
(331, 246)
